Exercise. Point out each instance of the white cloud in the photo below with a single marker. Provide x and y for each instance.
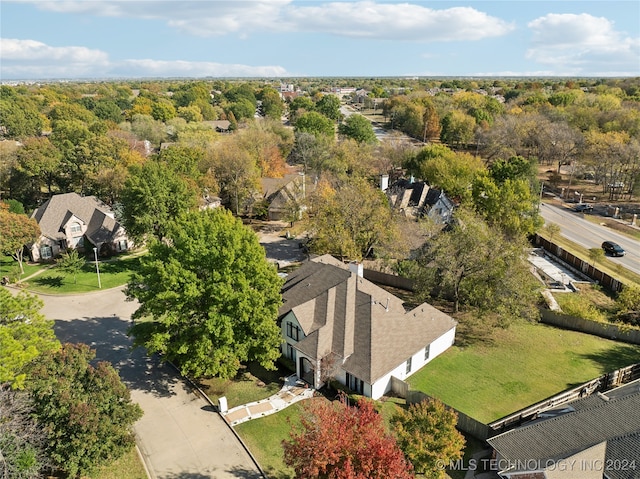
(159, 68)
(30, 59)
(22, 59)
(583, 45)
(362, 19)
(397, 21)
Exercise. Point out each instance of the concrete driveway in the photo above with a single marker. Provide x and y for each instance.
(180, 436)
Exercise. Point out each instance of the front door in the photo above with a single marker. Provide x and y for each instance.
(307, 372)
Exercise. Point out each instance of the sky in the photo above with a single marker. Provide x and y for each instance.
(100, 39)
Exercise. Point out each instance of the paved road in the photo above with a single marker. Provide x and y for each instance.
(179, 435)
(591, 235)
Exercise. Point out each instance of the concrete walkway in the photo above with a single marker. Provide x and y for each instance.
(292, 391)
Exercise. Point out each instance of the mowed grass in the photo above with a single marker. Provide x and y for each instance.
(264, 438)
(252, 384)
(114, 272)
(10, 268)
(521, 366)
(128, 466)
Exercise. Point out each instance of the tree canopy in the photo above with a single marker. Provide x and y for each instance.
(477, 267)
(427, 435)
(154, 194)
(24, 334)
(338, 441)
(351, 220)
(85, 410)
(358, 128)
(208, 297)
(17, 230)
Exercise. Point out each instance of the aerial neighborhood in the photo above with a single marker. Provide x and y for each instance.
(330, 277)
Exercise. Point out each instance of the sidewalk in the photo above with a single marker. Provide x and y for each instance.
(292, 392)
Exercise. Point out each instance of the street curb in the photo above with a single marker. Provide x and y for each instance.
(212, 404)
(144, 464)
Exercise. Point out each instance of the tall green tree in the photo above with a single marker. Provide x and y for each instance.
(478, 268)
(70, 262)
(358, 128)
(85, 410)
(329, 106)
(352, 220)
(444, 168)
(315, 123)
(24, 335)
(427, 435)
(153, 195)
(211, 295)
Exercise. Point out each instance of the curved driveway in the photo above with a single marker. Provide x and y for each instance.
(180, 436)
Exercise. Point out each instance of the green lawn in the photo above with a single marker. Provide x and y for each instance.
(264, 438)
(9, 267)
(522, 365)
(113, 272)
(128, 466)
(252, 384)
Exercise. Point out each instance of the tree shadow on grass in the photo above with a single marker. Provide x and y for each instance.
(619, 356)
(48, 281)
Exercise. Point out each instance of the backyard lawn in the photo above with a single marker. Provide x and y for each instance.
(521, 366)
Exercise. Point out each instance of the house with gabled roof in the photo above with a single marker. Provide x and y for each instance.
(333, 317)
(595, 437)
(417, 199)
(79, 222)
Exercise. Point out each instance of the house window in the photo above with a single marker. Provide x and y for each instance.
(293, 331)
(77, 242)
(122, 245)
(76, 228)
(408, 366)
(46, 252)
(426, 352)
(291, 352)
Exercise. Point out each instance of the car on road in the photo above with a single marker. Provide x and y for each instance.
(583, 207)
(614, 249)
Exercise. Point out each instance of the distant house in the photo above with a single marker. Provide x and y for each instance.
(417, 199)
(596, 437)
(337, 324)
(284, 196)
(221, 126)
(79, 222)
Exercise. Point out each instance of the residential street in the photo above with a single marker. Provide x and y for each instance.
(180, 436)
(590, 235)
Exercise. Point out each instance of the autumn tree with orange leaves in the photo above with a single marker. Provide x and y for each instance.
(338, 441)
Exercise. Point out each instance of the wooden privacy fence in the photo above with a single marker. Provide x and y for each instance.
(466, 423)
(482, 431)
(599, 384)
(580, 264)
(603, 330)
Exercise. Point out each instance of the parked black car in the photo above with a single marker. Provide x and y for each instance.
(614, 249)
(583, 207)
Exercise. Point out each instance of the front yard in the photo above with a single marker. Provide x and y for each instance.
(521, 366)
(113, 272)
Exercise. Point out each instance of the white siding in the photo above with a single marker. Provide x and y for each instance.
(382, 385)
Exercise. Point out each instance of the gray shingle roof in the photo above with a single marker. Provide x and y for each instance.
(594, 421)
(357, 320)
(56, 212)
